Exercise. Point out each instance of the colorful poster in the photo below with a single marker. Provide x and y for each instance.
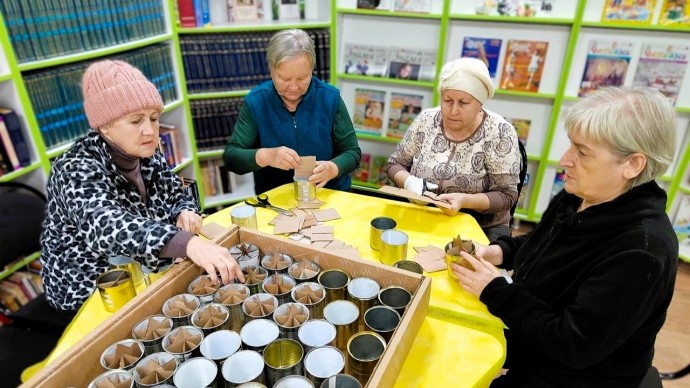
(607, 64)
(662, 67)
(523, 65)
(486, 49)
(628, 11)
(675, 12)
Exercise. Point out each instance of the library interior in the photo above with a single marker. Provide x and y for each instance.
(363, 235)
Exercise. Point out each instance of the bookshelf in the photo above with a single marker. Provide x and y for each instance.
(568, 28)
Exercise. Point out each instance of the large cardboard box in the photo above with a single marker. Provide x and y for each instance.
(80, 364)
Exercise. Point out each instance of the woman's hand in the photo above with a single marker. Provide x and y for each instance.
(324, 171)
(475, 281)
(214, 259)
(189, 221)
(454, 199)
(282, 157)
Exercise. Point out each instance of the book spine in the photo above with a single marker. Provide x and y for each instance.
(186, 11)
(16, 136)
(9, 148)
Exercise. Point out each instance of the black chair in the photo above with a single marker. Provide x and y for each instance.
(22, 209)
(651, 379)
(521, 182)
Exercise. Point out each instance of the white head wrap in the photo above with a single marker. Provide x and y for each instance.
(469, 75)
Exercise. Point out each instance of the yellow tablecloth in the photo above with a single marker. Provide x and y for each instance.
(460, 342)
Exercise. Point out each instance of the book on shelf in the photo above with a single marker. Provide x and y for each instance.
(662, 67)
(14, 128)
(606, 65)
(412, 64)
(524, 64)
(7, 148)
(192, 189)
(423, 6)
(628, 11)
(379, 170)
(369, 108)
(365, 59)
(486, 49)
(245, 10)
(404, 108)
(524, 195)
(675, 13)
(288, 9)
(522, 127)
(202, 13)
(361, 174)
(558, 183)
(14, 290)
(185, 10)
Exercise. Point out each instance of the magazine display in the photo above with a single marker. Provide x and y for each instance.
(522, 127)
(558, 183)
(628, 11)
(524, 64)
(675, 12)
(412, 6)
(379, 173)
(286, 10)
(412, 64)
(365, 60)
(607, 64)
(662, 67)
(404, 108)
(369, 107)
(485, 49)
(522, 8)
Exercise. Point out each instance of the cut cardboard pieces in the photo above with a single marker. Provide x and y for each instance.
(305, 168)
(84, 355)
(428, 197)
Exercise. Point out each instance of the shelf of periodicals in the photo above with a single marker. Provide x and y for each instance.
(520, 42)
(222, 63)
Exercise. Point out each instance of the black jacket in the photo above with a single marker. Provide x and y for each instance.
(590, 292)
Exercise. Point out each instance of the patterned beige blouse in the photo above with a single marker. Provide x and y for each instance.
(487, 162)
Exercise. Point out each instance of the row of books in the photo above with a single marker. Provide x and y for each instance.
(237, 61)
(170, 144)
(672, 12)
(51, 28)
(205, 13)
(214, 121)
(57, 100)
(14, 151)
(417, 64)
(18, 289)
(423, 6)
(216, 178)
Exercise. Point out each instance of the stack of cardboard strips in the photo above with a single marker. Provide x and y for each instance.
(431, 258)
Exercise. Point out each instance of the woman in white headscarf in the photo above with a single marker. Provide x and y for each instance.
(462, 151)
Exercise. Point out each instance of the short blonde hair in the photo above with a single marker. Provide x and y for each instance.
(629, 120)
(288, 44)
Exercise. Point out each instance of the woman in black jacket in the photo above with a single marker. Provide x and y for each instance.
(592, 282)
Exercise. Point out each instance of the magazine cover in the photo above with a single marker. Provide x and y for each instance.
(522, 128)
(675, 12)
(412, 5)
(412, 64)
(523, 8)
(523, 65)
(607, 64)
(369, 106)
(628, 11)
(662, 67)
(365, 60)
(485, 49)
(379, 165)
(558, 183)
(361, 174)
(244, 10)
(404, 108)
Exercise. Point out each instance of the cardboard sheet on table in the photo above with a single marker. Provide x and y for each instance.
(326, 214)
(398, 192)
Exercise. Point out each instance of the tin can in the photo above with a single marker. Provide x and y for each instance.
(364, 350)
(321, 363)
(183, 342)
(113, 378)
(210, 318)
(150, 332)
(283, 357)
(243, 367)
(231, 296)
(196, 372)
(304, 190)
(123, 354)
(180, 308)
(155, 369)
(116, 288)
(312, 295)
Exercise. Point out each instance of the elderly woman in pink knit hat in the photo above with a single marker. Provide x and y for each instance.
(462, 151)
(112, 193)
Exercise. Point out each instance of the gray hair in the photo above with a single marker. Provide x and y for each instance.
(629, 120)
(288, 44)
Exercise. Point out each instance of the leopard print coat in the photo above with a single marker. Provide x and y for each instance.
(94, 212)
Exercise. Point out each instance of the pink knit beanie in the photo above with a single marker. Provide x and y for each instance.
(113, 89)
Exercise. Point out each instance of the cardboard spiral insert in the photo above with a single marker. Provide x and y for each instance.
(84, 355)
